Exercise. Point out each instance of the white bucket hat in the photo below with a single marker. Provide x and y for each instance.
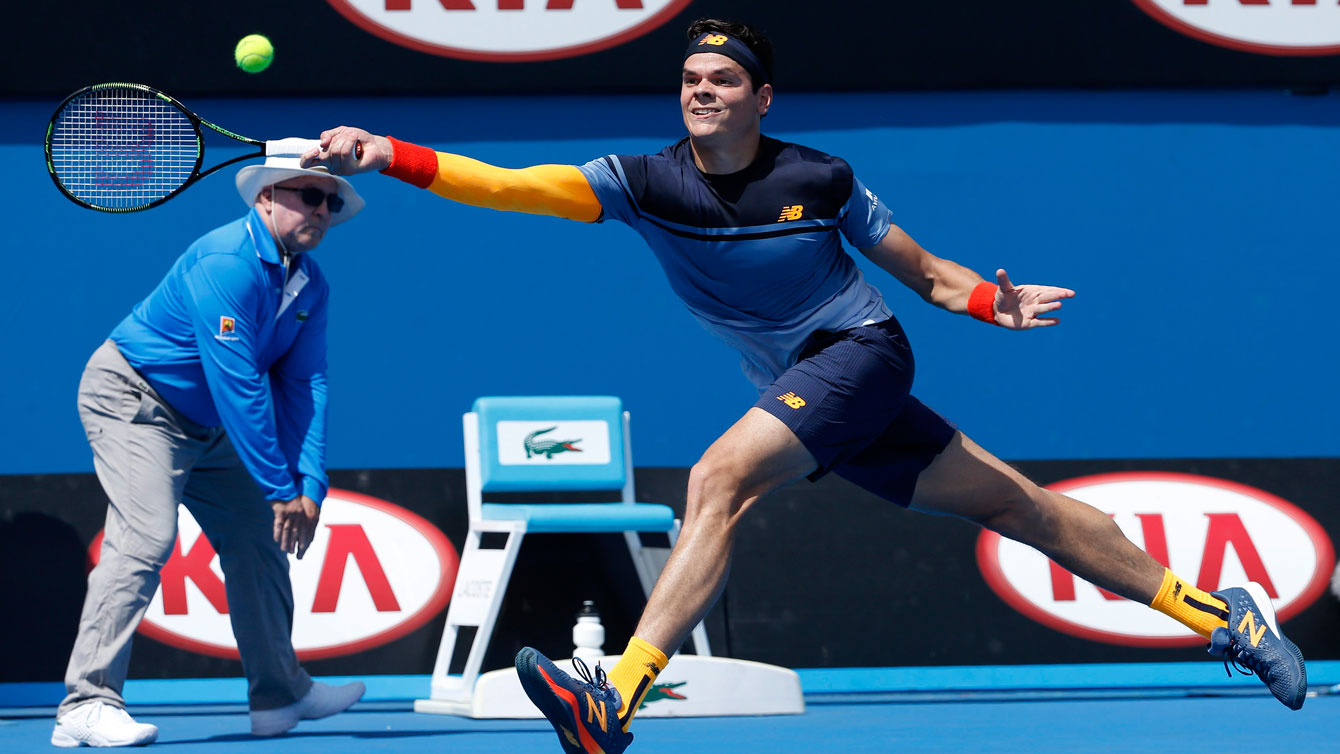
(282, 158)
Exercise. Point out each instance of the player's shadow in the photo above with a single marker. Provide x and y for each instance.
(365, 734)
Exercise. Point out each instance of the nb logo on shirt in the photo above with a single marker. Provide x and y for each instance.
(791, 399)
(792, 212)
(716, 40)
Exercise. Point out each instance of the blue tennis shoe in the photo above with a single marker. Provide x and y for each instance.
(584, 713)
(1254, 643)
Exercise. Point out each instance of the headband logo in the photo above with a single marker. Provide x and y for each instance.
(716, 40)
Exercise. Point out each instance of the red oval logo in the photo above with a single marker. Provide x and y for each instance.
(508, 30)
(1269, 27)
(374, 573)
(1217, 532)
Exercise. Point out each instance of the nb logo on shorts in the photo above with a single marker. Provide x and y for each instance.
(792, 400)
(792, 212)
(716, 40)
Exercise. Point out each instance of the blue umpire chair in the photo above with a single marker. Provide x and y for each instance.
(538, 445)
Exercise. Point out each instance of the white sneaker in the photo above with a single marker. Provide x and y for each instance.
(320, 701)
(100, 724)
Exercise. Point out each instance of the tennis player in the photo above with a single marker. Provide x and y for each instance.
(212, 393)
(747, 229)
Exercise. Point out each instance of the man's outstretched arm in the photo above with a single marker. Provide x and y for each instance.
(557, 190)
(956, 288)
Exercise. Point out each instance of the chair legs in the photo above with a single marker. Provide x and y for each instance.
(481, 582)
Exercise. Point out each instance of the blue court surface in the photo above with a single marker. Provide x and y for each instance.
(871, 710)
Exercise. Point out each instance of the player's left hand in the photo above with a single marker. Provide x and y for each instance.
(1020, 307)
(295, 524)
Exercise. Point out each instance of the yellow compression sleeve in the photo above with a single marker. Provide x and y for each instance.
(558, 190)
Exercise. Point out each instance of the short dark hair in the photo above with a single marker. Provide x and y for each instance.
(755, 40)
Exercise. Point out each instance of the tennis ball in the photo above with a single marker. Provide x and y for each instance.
(254, 53)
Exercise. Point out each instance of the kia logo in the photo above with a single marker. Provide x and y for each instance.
(1213, 532)
(508, 30)
(1270, 27)
(373, 573)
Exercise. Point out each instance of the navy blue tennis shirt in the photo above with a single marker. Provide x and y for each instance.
(226, 341)
(755, 255)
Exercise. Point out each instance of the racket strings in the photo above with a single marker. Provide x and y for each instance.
(122, 148)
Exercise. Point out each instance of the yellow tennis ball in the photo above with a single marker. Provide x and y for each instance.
(254, 53)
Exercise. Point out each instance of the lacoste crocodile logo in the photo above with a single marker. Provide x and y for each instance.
(548, 448)
(661, 691)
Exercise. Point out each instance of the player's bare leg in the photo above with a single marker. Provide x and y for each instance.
(755, 456)
(967, 481)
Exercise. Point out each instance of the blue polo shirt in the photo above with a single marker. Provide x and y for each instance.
(757, 255)
(226, 341)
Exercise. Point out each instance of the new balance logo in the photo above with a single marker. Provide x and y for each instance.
(592, 715)
(792, 212)
(1248, 626)
(874, 200)
(716, 40)
(792, 400)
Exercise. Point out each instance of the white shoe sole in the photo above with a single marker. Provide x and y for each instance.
(66, 741)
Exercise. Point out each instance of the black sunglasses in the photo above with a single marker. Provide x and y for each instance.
(313, 196)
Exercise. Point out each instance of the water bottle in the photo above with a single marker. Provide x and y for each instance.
(588, 635)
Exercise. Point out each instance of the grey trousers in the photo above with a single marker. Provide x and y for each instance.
(149, 458)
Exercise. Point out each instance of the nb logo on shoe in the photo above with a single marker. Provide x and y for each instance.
(1248, 626)
(792, 400)
(792, 212)
(716, 40)
(592, 714)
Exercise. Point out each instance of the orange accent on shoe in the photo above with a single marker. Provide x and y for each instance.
(588, 742)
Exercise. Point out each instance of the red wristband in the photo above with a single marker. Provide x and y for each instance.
(982, 302)
(412, 163)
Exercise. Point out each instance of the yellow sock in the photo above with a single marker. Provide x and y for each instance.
(1190, 606)
(633, 676)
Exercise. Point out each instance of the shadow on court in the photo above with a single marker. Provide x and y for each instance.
(314, 735)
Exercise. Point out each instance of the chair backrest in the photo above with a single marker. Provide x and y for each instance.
(546, 443)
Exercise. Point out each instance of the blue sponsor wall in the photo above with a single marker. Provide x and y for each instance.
(1199, 229)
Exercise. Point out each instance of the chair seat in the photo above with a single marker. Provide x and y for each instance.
(584, 517)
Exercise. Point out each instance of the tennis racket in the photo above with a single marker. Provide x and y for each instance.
(129, 147)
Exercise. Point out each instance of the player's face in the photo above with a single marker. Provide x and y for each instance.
(299, 225)
(718, 99)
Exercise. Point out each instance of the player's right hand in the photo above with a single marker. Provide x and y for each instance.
(346, 150)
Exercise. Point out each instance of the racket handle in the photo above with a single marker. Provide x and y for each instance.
(290, 147)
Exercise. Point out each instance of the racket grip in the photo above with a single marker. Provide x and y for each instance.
(290, 147)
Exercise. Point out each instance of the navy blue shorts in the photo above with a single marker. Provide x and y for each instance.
(848, 400)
